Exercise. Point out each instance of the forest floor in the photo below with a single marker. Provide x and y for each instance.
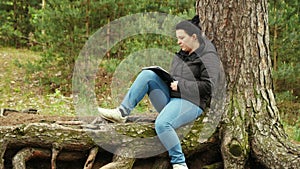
(20, 91)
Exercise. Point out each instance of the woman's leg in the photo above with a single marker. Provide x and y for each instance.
(175, 114)
(147, 82)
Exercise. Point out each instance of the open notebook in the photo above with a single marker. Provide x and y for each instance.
(162, 73)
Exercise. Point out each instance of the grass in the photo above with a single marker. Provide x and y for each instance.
(292, 131)
(20, 90)
(289, 113)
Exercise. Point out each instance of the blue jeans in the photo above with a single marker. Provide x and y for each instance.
(173, 112)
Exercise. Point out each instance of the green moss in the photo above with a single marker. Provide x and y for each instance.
(191, 139)
(146, 130)
(19, 131)
(142, 130)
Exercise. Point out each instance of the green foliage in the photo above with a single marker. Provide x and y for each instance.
(297, 134)
(287, 80)
(60, 105)
(284, 29)
(293, 131)
(110, 65)
(15, 28)
(61, 28)
(284, 25)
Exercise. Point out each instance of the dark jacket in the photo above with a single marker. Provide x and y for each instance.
(196, 73)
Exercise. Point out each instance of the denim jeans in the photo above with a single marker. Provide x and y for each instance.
(173, 112)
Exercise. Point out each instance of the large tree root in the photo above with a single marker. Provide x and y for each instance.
(88, 143)
(75, 142)
(24, 155)
(121, 162)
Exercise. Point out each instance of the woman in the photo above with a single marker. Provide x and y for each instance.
(195, 69)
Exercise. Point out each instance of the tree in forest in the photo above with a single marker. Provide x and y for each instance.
(251, 124)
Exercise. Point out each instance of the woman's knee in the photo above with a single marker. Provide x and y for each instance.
(147, 74)
(161, 125)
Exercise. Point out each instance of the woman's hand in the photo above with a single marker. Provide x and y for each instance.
(174, 85)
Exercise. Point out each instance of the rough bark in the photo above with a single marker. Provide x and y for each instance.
(250, 126)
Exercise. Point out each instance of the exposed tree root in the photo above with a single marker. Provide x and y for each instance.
(25, 154)
(74, 142)
(121, 162)
(91, 158)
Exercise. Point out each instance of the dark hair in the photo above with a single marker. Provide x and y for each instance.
(190, 26)
(196, 21)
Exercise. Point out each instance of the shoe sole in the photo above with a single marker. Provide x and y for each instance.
(111, 120)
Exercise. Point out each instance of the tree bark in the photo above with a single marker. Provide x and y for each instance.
(251, 126)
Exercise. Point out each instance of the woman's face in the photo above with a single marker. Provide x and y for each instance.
(185, 41)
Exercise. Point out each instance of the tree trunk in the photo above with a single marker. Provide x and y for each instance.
(250, 126)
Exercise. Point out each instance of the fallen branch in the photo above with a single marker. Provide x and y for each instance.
(5, 111)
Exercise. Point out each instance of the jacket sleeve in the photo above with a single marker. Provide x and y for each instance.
(190, 88)
(194, 89)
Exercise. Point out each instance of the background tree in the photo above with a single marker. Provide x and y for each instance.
(285, 50)
(251, 126)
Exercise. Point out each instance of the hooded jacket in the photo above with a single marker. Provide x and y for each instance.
(196, 73)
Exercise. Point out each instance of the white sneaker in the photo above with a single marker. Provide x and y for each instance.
(178, 166)
(113, 115)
